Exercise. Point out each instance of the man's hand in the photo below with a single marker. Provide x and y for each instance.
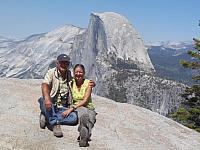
(47, 98)
(47, 103)
(92, 83)
(67, 112)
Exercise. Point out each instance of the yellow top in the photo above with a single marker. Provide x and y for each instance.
(78, 94)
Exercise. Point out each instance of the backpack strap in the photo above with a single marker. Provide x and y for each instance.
(70, 98)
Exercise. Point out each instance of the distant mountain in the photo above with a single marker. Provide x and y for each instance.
(5, 42)
(165, 57)
(31, 57)
(112, 52)
(3, 38)
(171, 44)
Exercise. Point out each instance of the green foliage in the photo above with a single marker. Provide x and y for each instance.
(197, 129)
(191, 65)
(118, 92)
(181, 115)
(197, 43)
(189, 112)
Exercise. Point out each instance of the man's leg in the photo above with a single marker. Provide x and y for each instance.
(42, 119)
(51, 118)
(50, 115)
(71, 119)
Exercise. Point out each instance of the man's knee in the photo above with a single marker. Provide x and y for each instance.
(73, 118)
(41, 100)
(41, 103)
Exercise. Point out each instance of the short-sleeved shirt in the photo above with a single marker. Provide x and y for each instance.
(61, 98)
(61, 95)
(78, 94)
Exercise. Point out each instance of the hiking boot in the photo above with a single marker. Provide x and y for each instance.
(43, 122)
(84, 135)
(57, 131)
(78, 139)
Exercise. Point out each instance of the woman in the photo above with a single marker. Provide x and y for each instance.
(82, 103)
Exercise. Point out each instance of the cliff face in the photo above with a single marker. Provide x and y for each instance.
(119, 126)
(144, 90)
(123, 40)
(109, 40)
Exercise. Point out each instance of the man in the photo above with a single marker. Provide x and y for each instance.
(56, 101)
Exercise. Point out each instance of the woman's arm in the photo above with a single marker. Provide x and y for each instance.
(81, 103)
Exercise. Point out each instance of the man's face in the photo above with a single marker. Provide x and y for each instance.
(63, 65)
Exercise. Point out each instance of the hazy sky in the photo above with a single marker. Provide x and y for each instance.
(155, 20)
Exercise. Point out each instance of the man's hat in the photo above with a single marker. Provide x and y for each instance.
(63, 57)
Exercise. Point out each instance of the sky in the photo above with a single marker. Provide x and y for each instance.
(155, 20)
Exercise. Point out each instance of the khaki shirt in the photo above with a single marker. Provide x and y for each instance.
(58, 86)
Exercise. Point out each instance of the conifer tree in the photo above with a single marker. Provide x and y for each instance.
(189, 112)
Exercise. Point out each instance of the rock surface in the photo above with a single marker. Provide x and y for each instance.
(119, 126)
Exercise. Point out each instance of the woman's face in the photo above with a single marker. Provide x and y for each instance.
(79, 73)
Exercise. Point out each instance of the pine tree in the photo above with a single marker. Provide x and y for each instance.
(189, 112)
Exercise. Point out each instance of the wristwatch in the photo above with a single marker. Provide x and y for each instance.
(73, 107)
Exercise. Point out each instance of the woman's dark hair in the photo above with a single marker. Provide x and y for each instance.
(81, 66)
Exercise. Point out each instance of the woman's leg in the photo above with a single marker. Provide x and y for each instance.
(87, 119)
(92, 121)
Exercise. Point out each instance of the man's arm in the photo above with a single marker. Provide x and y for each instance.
(48, 78)
(46, 94)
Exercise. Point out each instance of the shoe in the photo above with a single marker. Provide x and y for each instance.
(43, 122)
(57, 131)
(78, 139)
(84, 137)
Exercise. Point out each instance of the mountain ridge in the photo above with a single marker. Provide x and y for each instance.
(165, 59)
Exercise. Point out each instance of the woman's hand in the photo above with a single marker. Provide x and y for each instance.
(92, 83)
(67, 112)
